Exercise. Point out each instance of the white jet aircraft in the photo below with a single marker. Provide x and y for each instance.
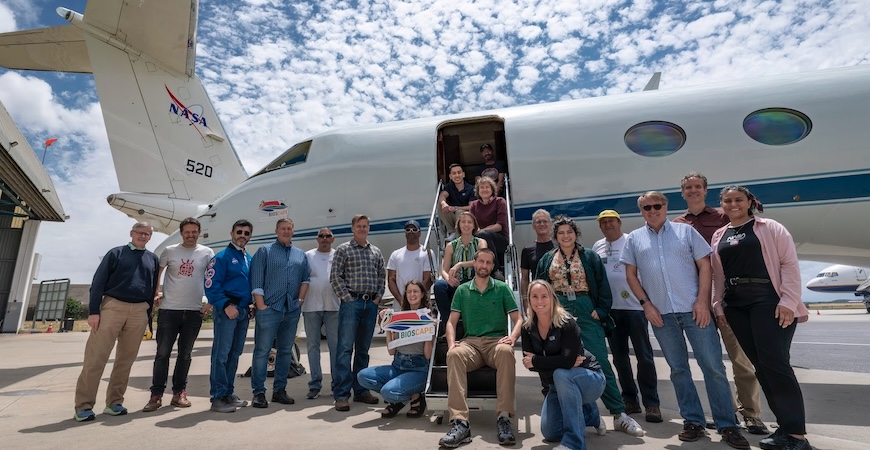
(838, 278)
(798, 141)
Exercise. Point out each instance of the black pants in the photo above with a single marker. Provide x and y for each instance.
(498, 243)
(174, 324)
(751, 315)
(632, 325)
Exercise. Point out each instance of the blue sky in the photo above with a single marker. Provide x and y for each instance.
(279, 73)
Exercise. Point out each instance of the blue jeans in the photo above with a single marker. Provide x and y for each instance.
(632, 325)
(173, 324)
(228, 344)
(569, 406)
(398, 382)
(708, 353)
(278, 327)
(314, 320)
(443, 298)
(356, 324)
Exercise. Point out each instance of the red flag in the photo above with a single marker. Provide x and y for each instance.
(50, 141)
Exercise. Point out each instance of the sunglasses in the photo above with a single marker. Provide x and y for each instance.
(324, 236)
(241, 232)
(657, 207)
(411, 230)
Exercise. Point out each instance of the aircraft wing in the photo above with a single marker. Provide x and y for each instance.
(165, 30)
(52, 49)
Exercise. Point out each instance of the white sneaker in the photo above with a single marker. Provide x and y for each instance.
(601, 429)
(627, 425)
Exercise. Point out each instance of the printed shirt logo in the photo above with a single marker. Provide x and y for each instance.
(186, 115)
(186, 269)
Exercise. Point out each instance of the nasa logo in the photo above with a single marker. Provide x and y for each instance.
(185, 115)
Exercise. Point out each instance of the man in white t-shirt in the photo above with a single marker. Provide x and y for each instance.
(631, 324)
(180, 314)
(408, 263)
(320, 309)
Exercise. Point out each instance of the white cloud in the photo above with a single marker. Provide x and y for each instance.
(7, 19)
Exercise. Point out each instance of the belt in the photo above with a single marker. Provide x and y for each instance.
(364, 296)
(565, 294)
(735, 281)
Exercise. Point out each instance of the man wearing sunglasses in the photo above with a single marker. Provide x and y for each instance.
(228, 289)
(408, 263)
(674, 262)
(320, 310)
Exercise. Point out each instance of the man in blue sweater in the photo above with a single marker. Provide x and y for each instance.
(123, 289)
(228, 289)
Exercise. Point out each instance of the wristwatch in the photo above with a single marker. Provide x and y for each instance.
(642, 301)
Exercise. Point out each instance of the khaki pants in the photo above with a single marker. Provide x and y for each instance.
(472, 354)
(122, 322)
(448, 219)
(748, 401)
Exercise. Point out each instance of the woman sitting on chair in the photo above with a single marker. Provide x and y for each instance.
(405, 379)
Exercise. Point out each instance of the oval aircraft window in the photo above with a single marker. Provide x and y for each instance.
(777, 126)
(655, 138)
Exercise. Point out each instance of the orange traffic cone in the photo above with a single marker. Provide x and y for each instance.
(818, 312)
(50, 329)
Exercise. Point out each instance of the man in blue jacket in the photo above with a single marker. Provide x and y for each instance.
(228, 289)
(279, 283)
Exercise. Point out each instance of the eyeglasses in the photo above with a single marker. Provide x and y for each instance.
(657, 207)
(241, 232)
(324, 236)
(142, 233)
(412, 230)
(540, 221)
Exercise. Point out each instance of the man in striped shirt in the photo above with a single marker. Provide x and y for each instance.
(279, 283)
(358, 278)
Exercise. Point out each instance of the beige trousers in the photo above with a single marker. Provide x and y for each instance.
(748, 400)
(472, 354)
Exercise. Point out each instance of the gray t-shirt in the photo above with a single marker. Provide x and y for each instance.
(184, 276)
(321, 296)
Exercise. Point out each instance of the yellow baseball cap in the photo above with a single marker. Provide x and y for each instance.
(608, 213)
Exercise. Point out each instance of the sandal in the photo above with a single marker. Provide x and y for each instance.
(418, 407)
(392, 410)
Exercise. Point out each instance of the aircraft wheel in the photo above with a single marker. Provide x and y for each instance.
(868, 310)
(439, 420)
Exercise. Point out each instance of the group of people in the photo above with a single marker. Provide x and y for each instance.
(707, 270)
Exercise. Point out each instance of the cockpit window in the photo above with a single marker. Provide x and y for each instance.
(296, 155)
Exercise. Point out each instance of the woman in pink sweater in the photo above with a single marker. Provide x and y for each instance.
(756, 290)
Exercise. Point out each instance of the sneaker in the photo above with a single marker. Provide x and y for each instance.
(154, 404)
(115, 410)
(180, 400)
(505, 431)
(601, 429)
(85, 415)
(280, 396)
(367, 398)
(221, 405)
(777, 440)
(312, 394)
(460, 433)
(692, 432)
(260, 401)
(754, 425)
(627, 425)
(793, 443)
(342, 405)
(236, 401)
(631, 407)
(732, 437)
(654, 414)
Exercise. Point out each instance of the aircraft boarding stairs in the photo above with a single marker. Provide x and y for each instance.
(481, 393)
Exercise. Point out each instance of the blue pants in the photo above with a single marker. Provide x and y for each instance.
(443, 298)
(313, 321)
(279, 327)
(632, 325)
(398, 382)
(570, 406)
(356, 324)
(228, 344)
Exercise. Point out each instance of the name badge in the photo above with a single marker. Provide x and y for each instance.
(571, 295)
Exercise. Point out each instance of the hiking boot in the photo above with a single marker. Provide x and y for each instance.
(236, 401)
(692, 432)
(260, 401)
(631, 407)
(754, 425)
(115, 410)
(154, 404)
(732, 437)
(505, 431)
(342, 405)
(221, 405)
(775, 441)
(627, 425)
(460, 433)
(85, 415)
(312, 394)
(280, 396)
(654, 414)
(367, 398)
(180, 400)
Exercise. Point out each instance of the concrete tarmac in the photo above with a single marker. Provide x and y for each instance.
(38, 375)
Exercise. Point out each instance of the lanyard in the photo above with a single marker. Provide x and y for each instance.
(565, 260)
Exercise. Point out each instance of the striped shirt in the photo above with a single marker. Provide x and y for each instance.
(277, 273)
(358, 269)
(665, 264)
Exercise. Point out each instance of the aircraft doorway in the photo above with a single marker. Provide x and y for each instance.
(460, 142)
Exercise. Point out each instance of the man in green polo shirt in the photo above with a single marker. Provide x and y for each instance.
(484, 304)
